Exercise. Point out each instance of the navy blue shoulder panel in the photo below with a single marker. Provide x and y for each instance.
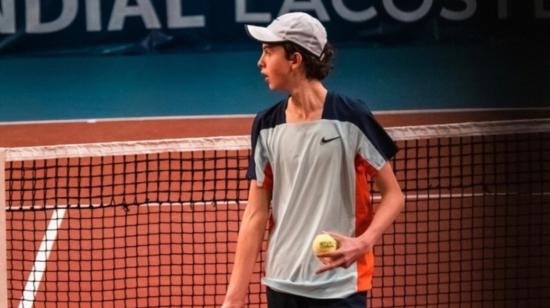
(342, 108)
(268, 118)
(271, 116)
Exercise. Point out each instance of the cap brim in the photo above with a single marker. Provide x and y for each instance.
(262, 34)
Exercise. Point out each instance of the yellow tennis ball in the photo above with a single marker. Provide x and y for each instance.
(324, 243)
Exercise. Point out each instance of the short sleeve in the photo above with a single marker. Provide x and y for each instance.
(251, 172)
(258, 163)
(373, 142)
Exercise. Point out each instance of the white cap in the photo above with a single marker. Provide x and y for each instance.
(297, 27)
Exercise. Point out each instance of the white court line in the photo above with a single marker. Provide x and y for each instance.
(130, 119)
(35, 276)
(409, 197)
(231, 116)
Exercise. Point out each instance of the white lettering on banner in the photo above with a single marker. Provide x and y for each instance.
(469, 11)
(176, 21)
(69, 8)
(93, 15)
(144, 8)
(503, 9)
(7, 16)
(540, 11)
(313, 5)
(400, 15)
(353, 16)
(243, 16)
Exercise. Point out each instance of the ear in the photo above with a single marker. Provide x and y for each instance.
(296, 60)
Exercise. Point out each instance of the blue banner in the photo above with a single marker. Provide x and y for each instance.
(60, 27)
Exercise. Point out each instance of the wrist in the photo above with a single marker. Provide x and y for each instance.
(234, 300)
(367, 240)
(228, 303)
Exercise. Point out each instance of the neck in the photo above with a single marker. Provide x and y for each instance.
(307, 98)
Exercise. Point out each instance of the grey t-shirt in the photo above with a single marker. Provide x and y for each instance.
(318, 172)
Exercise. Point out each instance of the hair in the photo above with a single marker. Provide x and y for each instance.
(315, 67)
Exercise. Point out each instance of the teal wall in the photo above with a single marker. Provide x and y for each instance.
(415, 77)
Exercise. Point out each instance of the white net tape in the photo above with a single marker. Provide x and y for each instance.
(243, 142)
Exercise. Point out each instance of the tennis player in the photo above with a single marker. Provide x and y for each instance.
(312, 155)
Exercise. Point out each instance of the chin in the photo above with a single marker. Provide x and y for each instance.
(275, 87)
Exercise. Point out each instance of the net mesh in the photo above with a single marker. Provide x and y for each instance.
(155, 223)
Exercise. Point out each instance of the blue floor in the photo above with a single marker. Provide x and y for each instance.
(214, 83)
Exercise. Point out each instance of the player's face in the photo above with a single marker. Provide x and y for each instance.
(275, 67)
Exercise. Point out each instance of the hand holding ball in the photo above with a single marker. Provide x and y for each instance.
(324, 243)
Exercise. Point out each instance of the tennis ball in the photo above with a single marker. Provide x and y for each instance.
(324, 243)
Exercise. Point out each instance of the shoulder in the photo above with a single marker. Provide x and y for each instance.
(356, 112)
(343, 107)
(270, 117)
(346, 109)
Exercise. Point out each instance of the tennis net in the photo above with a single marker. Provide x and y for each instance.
(155, 223)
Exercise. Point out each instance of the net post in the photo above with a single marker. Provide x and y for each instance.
(3, 233)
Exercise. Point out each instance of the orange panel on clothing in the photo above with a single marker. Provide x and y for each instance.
(363, 217)
(268, 179)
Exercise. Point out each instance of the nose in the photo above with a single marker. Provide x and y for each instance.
(261, 62)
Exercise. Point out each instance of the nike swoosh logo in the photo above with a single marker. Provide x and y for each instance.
(324, 140)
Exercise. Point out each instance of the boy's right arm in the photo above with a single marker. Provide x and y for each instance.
(251, 235)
